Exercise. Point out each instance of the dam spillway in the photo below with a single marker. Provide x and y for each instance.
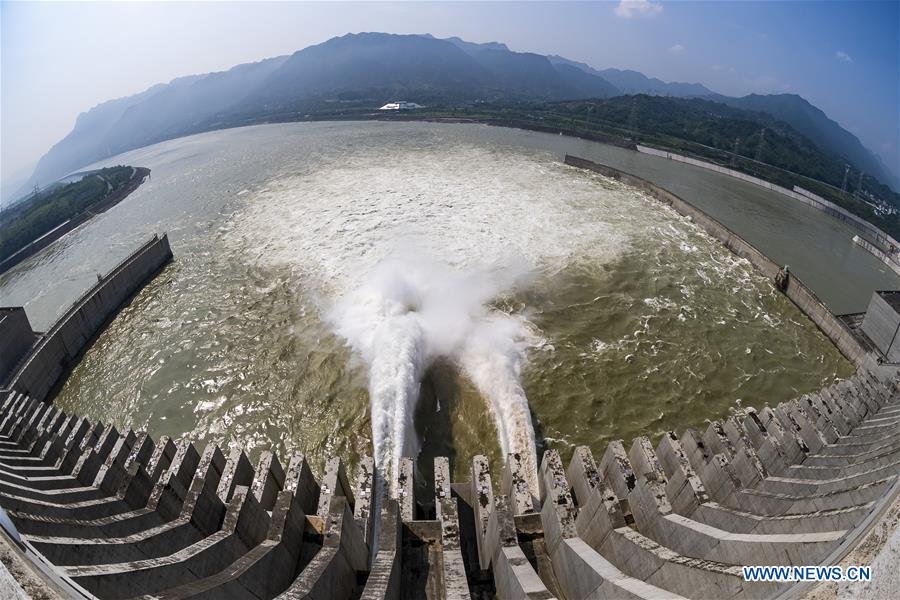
(241, 340)
(797, 483)
(675, 520)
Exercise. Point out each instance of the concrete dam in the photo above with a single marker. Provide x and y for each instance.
(91, 511)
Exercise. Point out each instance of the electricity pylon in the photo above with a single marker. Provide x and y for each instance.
(759, 146)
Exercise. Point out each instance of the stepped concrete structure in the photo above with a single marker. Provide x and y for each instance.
(90, 510)
(118, 514)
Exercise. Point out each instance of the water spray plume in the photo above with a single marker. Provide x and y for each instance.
(492, 358)
(410, 310)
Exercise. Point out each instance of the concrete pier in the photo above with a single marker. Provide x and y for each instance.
(121, 516)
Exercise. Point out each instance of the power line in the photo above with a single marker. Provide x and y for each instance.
(632, 117)
(759, 146)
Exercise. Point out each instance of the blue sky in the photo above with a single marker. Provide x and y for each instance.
(58, 60)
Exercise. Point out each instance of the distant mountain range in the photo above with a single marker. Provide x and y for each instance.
(815, 124)
(632, 82)
(377, 68)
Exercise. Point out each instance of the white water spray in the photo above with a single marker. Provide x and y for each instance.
(335, 225)
(492, 358)
(408, 312)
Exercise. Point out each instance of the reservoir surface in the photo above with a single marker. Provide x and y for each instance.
(418, 286)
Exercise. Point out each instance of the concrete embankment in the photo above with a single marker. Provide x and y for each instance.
(119, 514)
(138, 177)
(878, 253)
(799, 194)
(805, 299)
(583, 135)
(56, 351)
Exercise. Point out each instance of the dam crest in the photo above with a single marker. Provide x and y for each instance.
(94, 511)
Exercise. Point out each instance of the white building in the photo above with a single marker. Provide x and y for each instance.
(401, 105)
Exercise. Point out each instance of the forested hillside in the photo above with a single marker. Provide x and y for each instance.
(358, 73)
(29, 220)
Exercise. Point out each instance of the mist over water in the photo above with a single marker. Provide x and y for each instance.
(353, 289)
(395, 260)
(493, 360)
(411, 310)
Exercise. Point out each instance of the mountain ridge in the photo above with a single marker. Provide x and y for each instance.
(376, 68)
(634, 82)
(812, 122)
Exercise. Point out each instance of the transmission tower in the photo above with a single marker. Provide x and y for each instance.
(858, 191)
(759, 146)
(632, 117)
(737, 142)
(846, 174)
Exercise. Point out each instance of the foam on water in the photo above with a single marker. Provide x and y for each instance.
(493, 359)
(410, 310)
(464, 206)
(357, 234)
(277, 230)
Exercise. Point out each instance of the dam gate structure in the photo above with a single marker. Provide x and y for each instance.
(98, 512)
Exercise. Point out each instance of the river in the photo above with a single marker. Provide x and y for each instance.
(454, 289)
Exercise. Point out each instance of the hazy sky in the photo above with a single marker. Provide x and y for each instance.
(60, 59)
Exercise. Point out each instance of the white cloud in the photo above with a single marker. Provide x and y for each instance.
(843, 56)
(629, 9)
(676, 49)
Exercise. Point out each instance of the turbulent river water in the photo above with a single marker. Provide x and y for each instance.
(344, 289)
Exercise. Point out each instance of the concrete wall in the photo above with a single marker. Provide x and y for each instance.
(798, 193)
(58, 350)
(16, 339)
(880, 237)
(881, 324)
(798, 293)
(878, 253)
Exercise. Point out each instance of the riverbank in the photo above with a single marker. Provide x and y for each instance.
(138, 176)
(823, 196)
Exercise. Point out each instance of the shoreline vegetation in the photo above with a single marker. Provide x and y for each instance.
(36, 222)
